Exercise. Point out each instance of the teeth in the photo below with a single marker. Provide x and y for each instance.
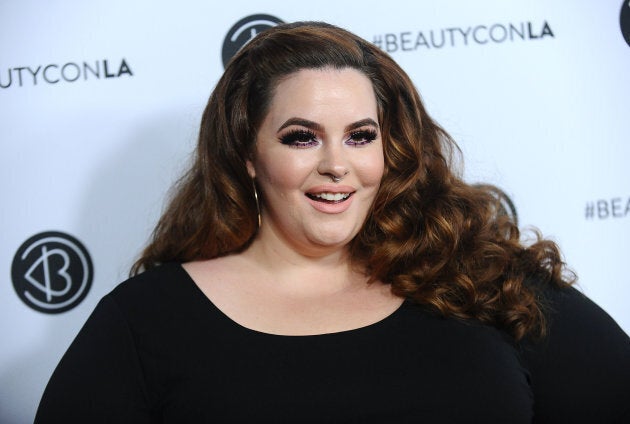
(333, 197)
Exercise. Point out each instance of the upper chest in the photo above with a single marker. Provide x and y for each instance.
(406, 366)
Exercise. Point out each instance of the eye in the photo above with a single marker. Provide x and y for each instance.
(299, 138)
(361, 137)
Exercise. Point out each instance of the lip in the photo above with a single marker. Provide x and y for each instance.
(331, 188)
(331, 208)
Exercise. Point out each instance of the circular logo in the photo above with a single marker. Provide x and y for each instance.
(52, 272)
(624, 20)
(506, 206)
(243, 31)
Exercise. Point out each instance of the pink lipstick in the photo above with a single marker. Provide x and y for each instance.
(330, 198)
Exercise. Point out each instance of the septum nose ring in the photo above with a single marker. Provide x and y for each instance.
(337, 179)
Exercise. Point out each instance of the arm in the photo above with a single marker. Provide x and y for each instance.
(581, 371)
(99, 379)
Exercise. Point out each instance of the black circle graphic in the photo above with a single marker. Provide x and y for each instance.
(505, 204)
(624, 20)
(52, 272)
(243, 31)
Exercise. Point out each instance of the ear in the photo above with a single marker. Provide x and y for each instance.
(250, 168)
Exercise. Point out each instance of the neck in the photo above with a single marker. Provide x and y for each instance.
(323, 269)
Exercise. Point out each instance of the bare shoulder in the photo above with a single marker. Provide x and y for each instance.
(223, 270)
(229, 281)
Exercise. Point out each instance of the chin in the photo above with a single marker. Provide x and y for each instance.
(332, 239)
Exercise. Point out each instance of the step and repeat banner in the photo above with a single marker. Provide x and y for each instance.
(100, 103)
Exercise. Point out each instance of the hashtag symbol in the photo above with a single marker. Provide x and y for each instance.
(590, 210)
(378, 41)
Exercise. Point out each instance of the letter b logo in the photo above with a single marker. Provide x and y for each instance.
(52, 272)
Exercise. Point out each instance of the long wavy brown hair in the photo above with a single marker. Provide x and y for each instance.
(434, 238)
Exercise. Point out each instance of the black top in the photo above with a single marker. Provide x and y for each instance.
(156, 350)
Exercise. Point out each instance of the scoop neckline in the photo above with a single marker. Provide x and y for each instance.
(352, 331)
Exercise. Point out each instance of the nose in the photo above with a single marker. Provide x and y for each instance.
(333, 162)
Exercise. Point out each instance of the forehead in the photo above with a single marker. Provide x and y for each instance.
(324, 94)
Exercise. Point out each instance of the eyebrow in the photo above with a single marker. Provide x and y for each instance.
(317, 127)
(362, 123)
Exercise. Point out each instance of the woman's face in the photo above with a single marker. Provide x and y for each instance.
(321, 124)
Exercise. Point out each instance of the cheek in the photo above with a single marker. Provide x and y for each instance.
(283, 171)
(371, 170)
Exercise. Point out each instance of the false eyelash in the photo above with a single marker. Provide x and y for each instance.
(362, 137)
(299, 138)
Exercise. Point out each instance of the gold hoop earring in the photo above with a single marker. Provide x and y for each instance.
(257, 204)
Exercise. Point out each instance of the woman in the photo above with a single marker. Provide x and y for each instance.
(321, 262)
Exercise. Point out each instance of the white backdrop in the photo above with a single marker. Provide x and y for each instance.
(535, 93)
